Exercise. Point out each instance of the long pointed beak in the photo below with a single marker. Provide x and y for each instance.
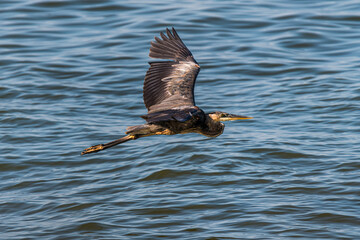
(233, 117)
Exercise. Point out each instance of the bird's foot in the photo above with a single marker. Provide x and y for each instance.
(92, 149)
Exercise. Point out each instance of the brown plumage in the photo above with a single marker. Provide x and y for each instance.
(169, 96)
(170, 84)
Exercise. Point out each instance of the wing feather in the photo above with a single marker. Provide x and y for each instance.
(170, 84)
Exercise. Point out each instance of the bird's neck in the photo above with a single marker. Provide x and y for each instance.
(213, 128)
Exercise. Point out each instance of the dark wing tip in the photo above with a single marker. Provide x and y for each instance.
(170, 46)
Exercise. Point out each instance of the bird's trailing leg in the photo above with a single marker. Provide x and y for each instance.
(100, 147)
(134, 132)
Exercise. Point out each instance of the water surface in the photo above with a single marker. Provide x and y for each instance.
(71, 77)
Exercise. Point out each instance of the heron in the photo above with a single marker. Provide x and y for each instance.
(168, 94)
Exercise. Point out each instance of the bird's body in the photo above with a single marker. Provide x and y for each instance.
(169, 96)
(180, 121)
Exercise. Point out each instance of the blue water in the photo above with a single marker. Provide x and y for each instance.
(72, 75)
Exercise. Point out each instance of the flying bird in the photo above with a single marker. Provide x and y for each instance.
(169, 96)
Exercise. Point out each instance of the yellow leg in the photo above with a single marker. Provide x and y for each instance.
(100, 147)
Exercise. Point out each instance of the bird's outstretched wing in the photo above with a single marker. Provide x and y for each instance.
(170, 84)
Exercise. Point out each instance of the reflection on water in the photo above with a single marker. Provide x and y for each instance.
(72, 75)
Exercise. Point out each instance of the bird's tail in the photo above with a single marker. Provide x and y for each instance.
(100, 147)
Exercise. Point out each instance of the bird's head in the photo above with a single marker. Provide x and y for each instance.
(223, 116)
